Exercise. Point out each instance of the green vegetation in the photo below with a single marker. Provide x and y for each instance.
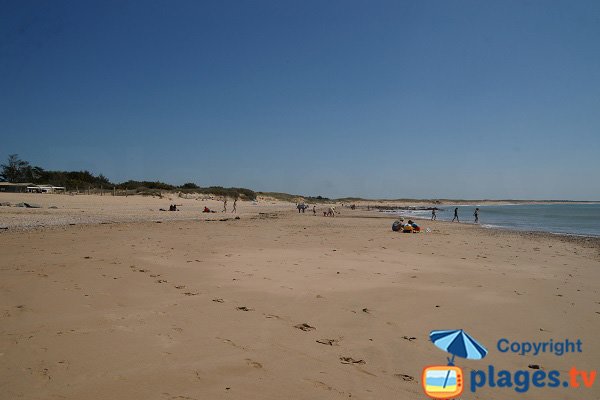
(72, 179)
(21, 171)
(140, 185)
(18, 171)
(242, 193)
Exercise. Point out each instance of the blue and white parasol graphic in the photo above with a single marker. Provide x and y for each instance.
(458, 343)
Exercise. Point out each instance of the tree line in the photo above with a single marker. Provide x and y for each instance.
(17, 170)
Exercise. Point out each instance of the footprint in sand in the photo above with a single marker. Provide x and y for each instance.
(231, 343)
(305, 327)
(244, 308)
(324, 386)
(405, 377)
(180, 287)
(218, 300)
(350, 360)
(328, 342)
(191, 293)
(254, 364)
(45, 372)
(409, 338)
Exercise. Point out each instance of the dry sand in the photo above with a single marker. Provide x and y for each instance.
(209, 309)
(58, 210)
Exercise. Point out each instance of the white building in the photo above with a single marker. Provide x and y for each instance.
(45, 189)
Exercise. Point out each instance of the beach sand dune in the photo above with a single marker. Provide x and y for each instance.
(290, 306)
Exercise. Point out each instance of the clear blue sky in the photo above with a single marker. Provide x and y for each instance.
(458, 99)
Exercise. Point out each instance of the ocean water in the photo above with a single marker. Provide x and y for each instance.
(573, 219)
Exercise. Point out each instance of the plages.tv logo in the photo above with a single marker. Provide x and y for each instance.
(447, 381)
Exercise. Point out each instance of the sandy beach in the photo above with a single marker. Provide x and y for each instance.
(109, 298)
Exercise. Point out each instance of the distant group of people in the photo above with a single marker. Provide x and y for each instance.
(456, 218)
(409, 227)
(234, 210)
(329, 212)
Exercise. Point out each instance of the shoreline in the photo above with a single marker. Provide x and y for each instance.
(589, 240)
(406, 213)
(91, 210)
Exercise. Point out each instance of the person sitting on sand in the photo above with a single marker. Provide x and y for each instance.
(416, 228)
(398, 225)
(206, 210)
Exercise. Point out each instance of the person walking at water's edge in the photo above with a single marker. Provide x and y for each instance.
(456, 215)
(433, 216)
(476, 215)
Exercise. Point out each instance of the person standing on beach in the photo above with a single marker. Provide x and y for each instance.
(234, 205)
(225, 204)
(314, 209)
(433, 216)
(476, 215)
(456, 215)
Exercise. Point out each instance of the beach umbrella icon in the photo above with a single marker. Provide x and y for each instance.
(458, 343)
